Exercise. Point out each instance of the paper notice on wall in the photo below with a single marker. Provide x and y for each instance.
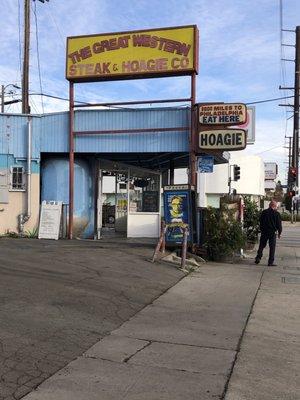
(50, 219)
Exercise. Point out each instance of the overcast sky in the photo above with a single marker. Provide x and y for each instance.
(239, 54)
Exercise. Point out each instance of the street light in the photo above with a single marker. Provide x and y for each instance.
(3, 93)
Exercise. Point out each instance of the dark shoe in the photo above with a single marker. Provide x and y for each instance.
(257, 260)
(272, 265)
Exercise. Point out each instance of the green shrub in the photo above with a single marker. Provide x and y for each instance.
(32, 234)
(11, 234)
(223, 234)
(287, 202)
(251, 220)
(285, 216)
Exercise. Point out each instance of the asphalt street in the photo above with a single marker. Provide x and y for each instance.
(290, 235)
(87, 320)
(59, 298)
(226, 331)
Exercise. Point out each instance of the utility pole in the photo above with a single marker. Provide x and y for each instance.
(295, 151)
(25, 76)
(289, 147)
(290, 151)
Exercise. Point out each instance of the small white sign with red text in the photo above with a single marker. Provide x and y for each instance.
(222, 114)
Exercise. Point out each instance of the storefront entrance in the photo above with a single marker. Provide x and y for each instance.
(128, 201)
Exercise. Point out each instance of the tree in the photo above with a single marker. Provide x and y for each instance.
(251, 220)
(278, 193)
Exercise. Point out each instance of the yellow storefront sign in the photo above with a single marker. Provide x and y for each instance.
(131, 55)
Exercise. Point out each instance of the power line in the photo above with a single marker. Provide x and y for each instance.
(269, 100)
(56, 97)
(48, 10)
(90, 104)
(271, 148)
(85, 102)
(34, 106)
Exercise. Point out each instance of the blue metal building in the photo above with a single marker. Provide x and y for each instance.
(159, 140)
(34, 158)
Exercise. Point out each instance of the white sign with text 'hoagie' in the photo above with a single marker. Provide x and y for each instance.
(223, 139)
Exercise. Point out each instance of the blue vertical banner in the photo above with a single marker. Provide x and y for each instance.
(177, 213)
(206, 164)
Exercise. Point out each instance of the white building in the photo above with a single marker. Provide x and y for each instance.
(214, 185)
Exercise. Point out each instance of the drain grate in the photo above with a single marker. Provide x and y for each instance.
(291, 279)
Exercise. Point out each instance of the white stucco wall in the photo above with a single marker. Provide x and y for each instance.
(16, 205)
(216, 183)
(252, 174)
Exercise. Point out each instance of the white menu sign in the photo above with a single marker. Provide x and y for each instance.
(50, 220)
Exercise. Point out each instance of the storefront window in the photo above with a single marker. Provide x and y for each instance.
(144, 191)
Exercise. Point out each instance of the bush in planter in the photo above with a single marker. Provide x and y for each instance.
(223, 234)
(251, 220)
(285, 216)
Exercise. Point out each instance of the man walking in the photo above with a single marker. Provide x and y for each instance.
(270, 223)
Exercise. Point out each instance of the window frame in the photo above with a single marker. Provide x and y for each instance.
(23, 185)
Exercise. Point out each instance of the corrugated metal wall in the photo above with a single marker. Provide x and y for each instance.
(13, 135)
(50, 132)
(132, 119)
(54, 133)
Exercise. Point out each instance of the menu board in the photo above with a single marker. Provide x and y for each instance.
(50, 220)
(150, 201)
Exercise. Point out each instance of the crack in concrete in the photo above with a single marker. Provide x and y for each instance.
(141, 349)
(238, 349)
(182, 344)
(125, 361)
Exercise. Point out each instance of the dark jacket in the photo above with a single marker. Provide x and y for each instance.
(270, 221)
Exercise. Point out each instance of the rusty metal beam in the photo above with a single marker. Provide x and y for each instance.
(71, 159)
(107, 132)
(126, 103)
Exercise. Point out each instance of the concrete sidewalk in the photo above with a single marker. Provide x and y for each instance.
(228, 331)
(268, 363)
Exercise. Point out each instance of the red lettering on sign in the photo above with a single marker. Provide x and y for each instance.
(75, 57)
(168, 45)
(179, 63)
(85, 52)
(81, 68)
(158, 64)
(89, 69)
(72, 70)
(105, 68)
(80, 55)
(111, 44)
(98, 69)
(97, 48)
(123, 41)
